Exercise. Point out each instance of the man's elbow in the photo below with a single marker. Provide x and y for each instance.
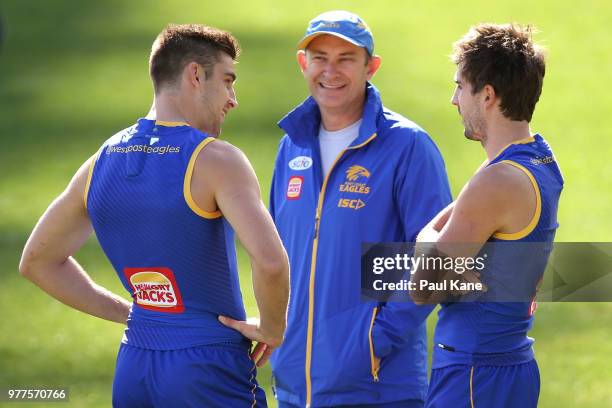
(32, 265)
(26, 267)
(419, 302)
(274, 265)
(419, 298)
(419, 293)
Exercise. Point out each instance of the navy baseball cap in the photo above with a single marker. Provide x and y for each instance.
(343, 24)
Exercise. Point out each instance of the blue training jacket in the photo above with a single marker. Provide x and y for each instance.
(383, 188)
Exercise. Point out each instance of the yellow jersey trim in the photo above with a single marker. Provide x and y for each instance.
(170, 124)
(187, 183)
(92, 162)
(536, 215)
(472, 387)
(526, 140)
(313, 260)
(374, 361)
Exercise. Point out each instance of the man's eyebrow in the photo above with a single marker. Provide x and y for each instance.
(315, 51)
(342, 54)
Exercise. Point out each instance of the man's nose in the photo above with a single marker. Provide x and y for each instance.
(233, 101)
(331, 69)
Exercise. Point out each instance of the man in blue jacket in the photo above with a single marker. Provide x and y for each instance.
(349, 171)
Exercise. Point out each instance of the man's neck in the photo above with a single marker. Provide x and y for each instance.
(152, 114)
(504, 134)
(166, 108)
(337, 119)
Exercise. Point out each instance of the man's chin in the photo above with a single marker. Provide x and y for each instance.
(213, 131)
(470, 136)
(329, 101)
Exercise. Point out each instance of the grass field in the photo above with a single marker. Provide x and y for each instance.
(72, 73)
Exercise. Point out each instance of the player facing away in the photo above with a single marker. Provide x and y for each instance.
(482, 354)
(349, 170)
(164, 198)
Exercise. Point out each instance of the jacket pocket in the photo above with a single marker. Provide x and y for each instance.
(374, 361)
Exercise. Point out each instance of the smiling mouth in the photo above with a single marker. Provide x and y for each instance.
(331, 87)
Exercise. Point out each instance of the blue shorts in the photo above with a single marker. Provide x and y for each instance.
(509, 386)
(205, 376)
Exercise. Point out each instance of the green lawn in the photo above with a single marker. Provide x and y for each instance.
(72, 73)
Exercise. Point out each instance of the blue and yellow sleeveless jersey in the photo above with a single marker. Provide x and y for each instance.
(495, 333)
(177, 261)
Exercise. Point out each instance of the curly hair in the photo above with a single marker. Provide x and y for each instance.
(505, 57)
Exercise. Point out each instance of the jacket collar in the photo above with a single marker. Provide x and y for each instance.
(302, 123)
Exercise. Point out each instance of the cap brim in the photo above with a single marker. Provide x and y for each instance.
(306, 40)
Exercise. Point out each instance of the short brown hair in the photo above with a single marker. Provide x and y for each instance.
(505, 57)
(178, 45)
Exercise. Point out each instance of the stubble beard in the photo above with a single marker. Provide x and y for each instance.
(212, 121)
(474, 127)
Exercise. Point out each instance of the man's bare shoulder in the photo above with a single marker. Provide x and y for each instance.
(499, 198)
(500, 189)
(221, 153)
(505, 180)
(220, 158)
(222, 161)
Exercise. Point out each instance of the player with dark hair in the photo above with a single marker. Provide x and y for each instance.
(482, 354)
(164, 197)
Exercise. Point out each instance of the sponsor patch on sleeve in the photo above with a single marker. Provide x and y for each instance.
(294, 189)
(300, 163)
(155, 289)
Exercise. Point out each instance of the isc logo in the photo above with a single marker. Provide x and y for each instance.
(348, 203)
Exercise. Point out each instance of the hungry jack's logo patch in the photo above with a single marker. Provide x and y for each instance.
(294, 188)
(155, 289)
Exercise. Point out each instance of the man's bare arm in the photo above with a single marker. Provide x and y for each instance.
(47, 257)
(430, 232)
(494, 200)
(226, 171)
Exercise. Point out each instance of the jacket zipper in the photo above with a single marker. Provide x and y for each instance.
(374, 361)
(315, 245)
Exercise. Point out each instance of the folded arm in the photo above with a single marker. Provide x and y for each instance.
(497, 198)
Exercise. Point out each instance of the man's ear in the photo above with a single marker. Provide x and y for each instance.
(373, 65)
(489, 95)
(301, 60)
(193, 74)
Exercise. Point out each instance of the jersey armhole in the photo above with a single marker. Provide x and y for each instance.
(538, 210)
(187, 183)
(92, 162)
